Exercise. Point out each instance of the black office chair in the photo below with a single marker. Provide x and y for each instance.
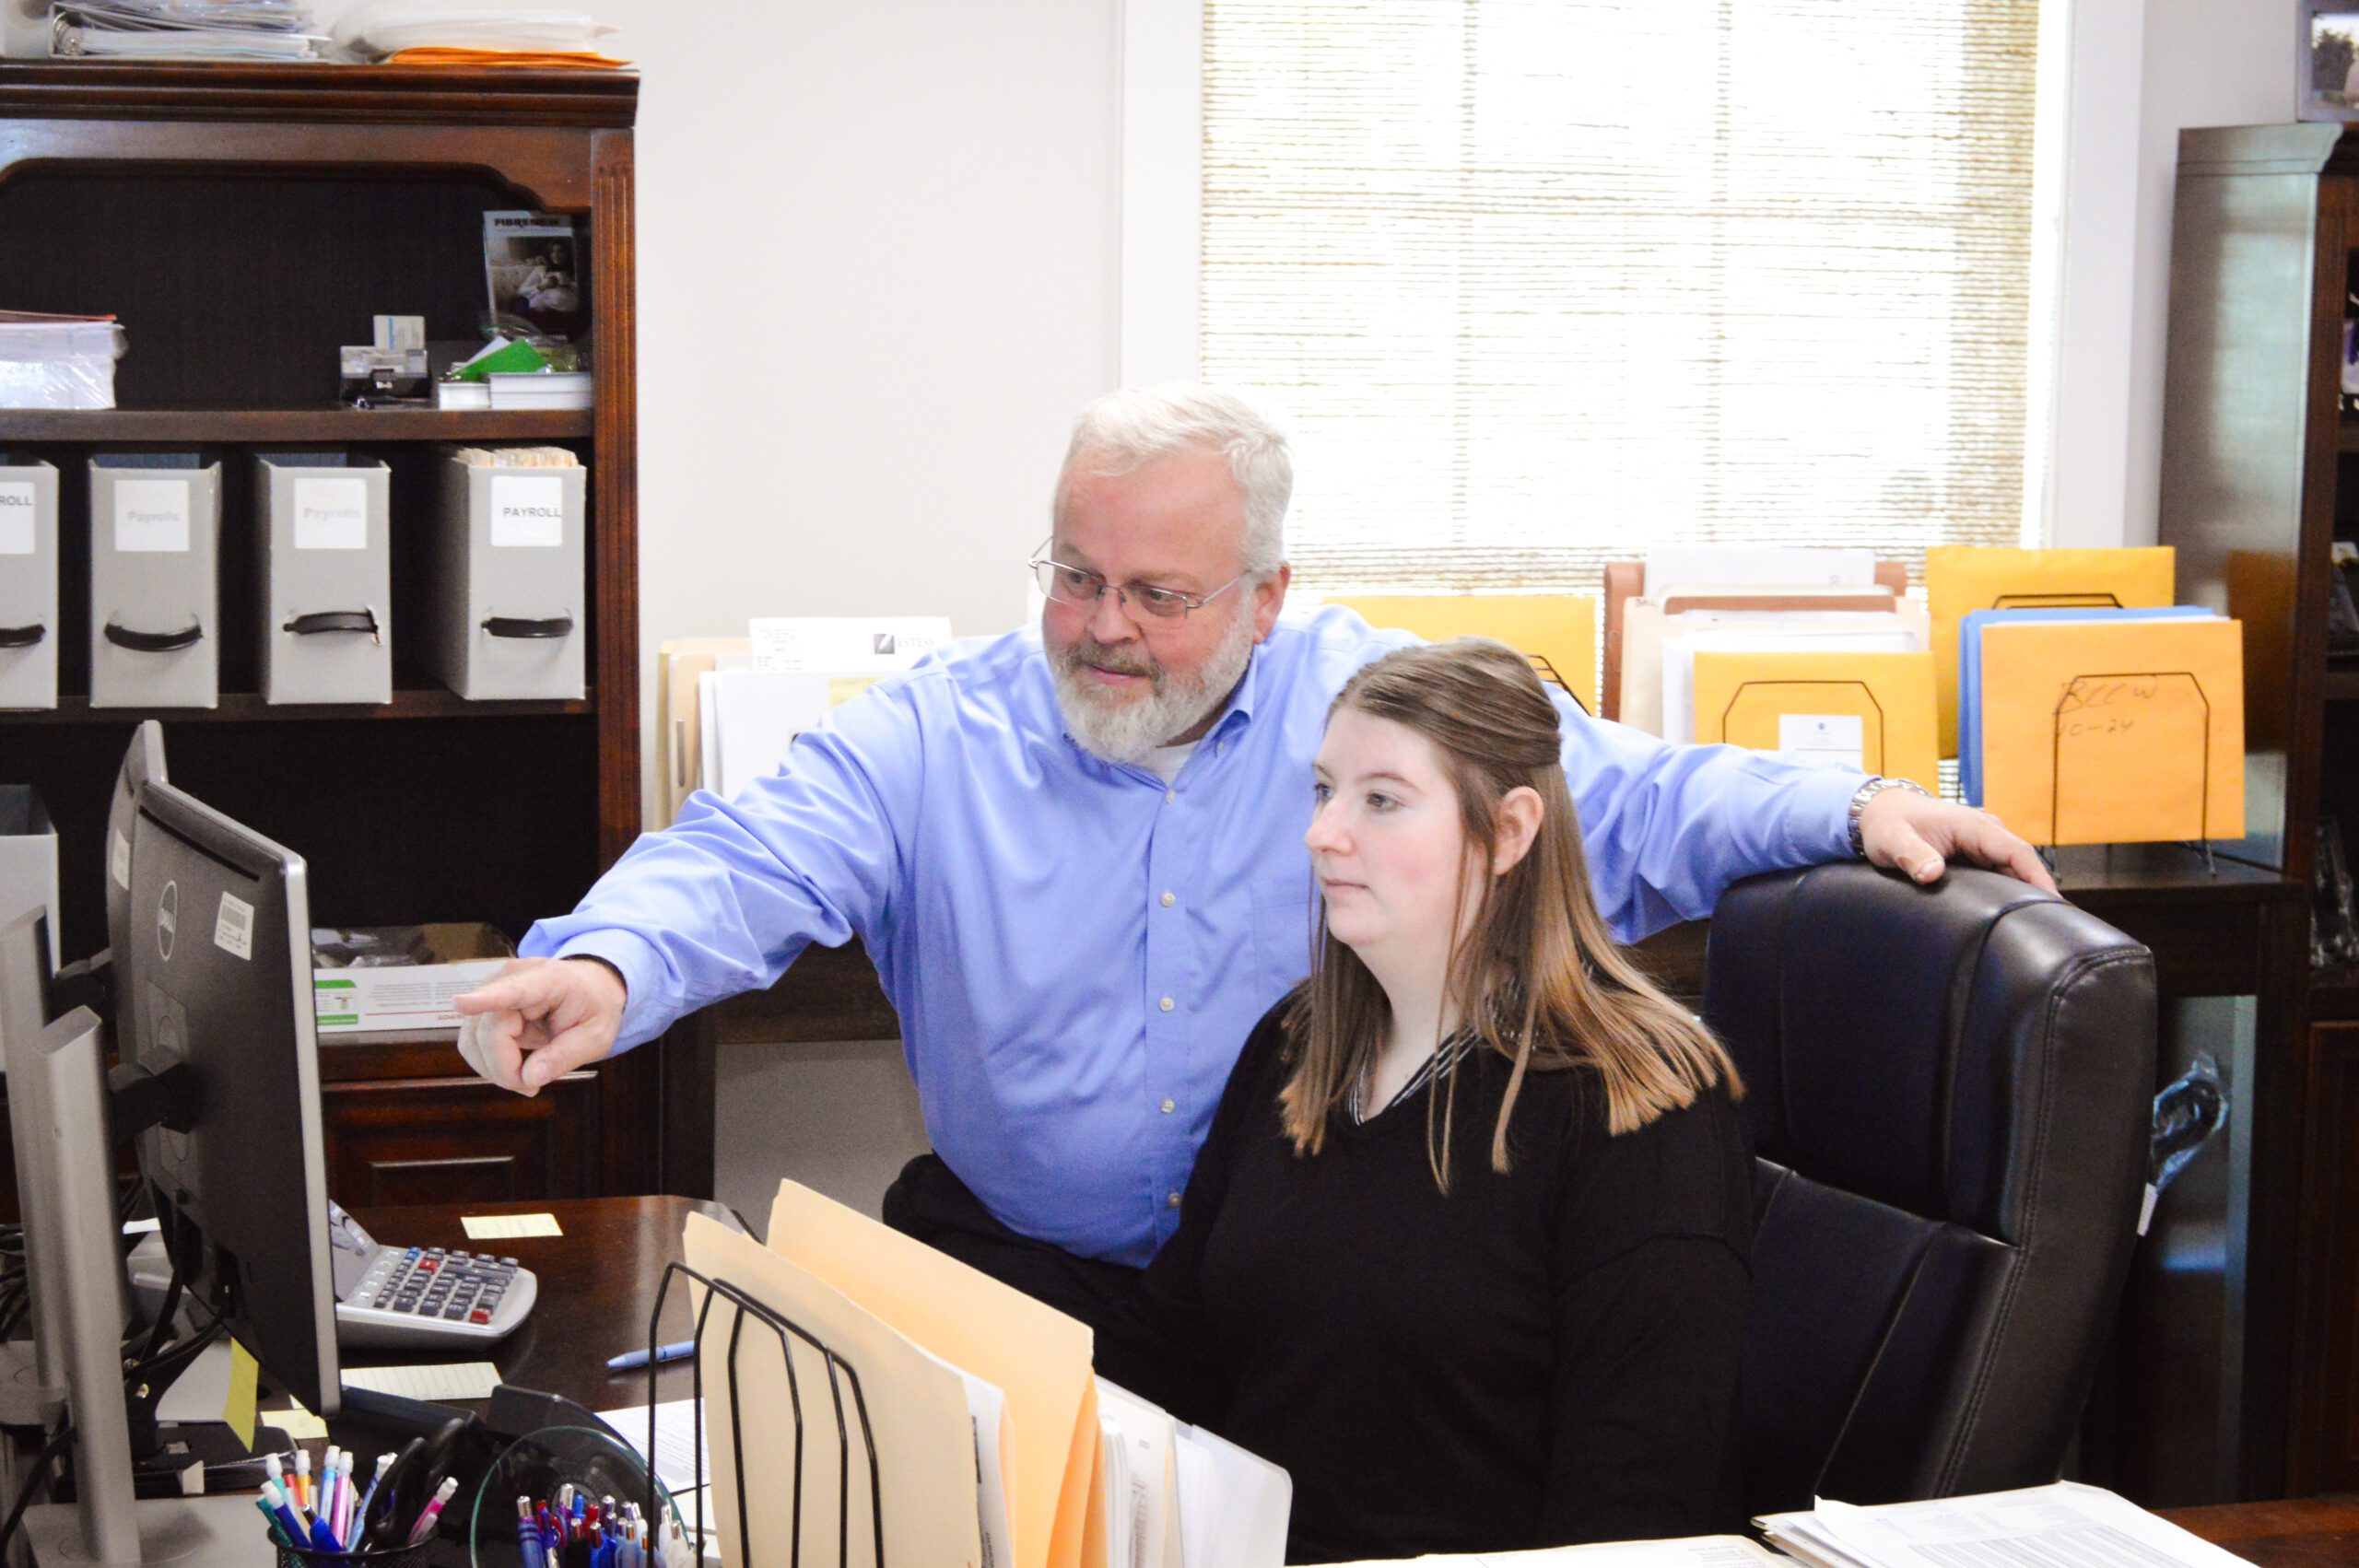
(1948, 1090)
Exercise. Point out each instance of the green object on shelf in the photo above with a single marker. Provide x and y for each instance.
(518, 357)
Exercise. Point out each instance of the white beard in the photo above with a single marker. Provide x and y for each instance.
(1125, 728)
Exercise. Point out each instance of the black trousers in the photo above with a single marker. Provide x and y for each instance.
(931, 1203)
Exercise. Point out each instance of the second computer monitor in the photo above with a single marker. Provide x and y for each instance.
(213, 974)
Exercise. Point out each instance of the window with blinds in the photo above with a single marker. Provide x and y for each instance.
(1542, 283)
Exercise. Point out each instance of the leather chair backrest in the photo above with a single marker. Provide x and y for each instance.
(1948, 1090)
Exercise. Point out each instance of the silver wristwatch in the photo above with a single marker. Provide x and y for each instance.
(1869, 791)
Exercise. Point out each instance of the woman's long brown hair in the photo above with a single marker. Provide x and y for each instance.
(1537, 976)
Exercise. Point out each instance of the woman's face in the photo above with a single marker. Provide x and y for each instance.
(1385, 843)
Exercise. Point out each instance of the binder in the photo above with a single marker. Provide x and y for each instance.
(1969, 712)
(2112, 731)
(28, 583)
(324, 561)
(1960, 579)
(1556, 631)
(679, 712)
(1869, 711)
(155, 581)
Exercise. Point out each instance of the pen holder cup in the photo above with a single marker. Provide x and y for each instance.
(536, 1466)
(388, 1557)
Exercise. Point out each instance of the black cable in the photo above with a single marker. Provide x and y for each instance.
(33, 1478)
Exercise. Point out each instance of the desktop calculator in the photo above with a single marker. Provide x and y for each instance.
(422, 1297)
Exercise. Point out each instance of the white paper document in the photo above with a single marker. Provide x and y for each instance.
(446, 1380)
(682, 1458)
(1232, 1505)
(2067, 1524)
(507, 1227)
(1668, 570)
(846, 644)
(1695, 1552)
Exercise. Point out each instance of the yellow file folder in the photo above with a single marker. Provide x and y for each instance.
(1037, 1356)
(1872, 712)
(1964, 577)
(1558, 631)
(2114, 731)
(911, 1408)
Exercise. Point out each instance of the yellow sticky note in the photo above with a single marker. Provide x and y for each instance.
(299, 1424)
(507, 1227)
(238, 1411)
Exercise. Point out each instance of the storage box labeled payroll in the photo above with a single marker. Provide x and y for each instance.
(399, 976)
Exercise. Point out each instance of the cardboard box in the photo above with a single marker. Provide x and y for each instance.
(399, 976)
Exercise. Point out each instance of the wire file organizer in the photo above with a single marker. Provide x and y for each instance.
(786, 1333)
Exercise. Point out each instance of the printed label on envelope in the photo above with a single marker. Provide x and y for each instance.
(330, 514)
(1824, 740)
(527, 512)
(16, 509)
(151, 515)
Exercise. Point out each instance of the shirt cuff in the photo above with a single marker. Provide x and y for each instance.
(634, 957)
(1818, 819)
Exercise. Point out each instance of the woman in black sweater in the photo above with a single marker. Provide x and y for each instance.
(1466, 1248)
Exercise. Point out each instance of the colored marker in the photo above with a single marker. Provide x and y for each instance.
(433, 1511)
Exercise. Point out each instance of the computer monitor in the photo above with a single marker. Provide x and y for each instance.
(212, 975)
(143, 761)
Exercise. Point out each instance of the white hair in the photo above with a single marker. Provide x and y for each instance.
(1124, 430)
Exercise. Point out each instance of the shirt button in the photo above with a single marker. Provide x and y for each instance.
(1165, 1004)
(1171, 1106)
(1169, 899)
(1171, 794)
(1172, 1201)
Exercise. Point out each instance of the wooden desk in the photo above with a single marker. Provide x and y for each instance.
(2302, 1532)
(597, 1284)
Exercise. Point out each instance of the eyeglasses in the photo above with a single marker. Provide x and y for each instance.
(1071, 585)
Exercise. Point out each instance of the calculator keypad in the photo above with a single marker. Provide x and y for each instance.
(458, 1286)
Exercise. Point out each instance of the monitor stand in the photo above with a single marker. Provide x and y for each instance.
(57, 1108)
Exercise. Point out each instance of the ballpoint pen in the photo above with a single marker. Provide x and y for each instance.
(528, 1533)
(384, 1463)
(630, 1359)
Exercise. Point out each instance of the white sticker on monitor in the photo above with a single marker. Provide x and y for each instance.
(119, 861)
(233, 928)
(1823, 740)
(18, 505)
(330, 514)
(527, 512)
(151, 515)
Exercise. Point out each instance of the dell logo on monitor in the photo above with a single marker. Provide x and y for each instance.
(168, 919)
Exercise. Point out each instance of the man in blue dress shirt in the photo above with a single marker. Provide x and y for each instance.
(1074, 853)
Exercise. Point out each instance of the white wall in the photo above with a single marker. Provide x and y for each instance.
(2205, 63)
(2137, 72)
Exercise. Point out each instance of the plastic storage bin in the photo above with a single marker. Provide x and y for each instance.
(155, 581)
(325, 572)
(28, 583)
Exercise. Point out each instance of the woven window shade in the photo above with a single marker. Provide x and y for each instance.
(1541, 285)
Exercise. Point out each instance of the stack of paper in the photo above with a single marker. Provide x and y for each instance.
(1808, 654)
(974, 1429)
(2101, 726)
(2066, 1522)
(1696, 1552)
(203, 30)
(750, 699)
